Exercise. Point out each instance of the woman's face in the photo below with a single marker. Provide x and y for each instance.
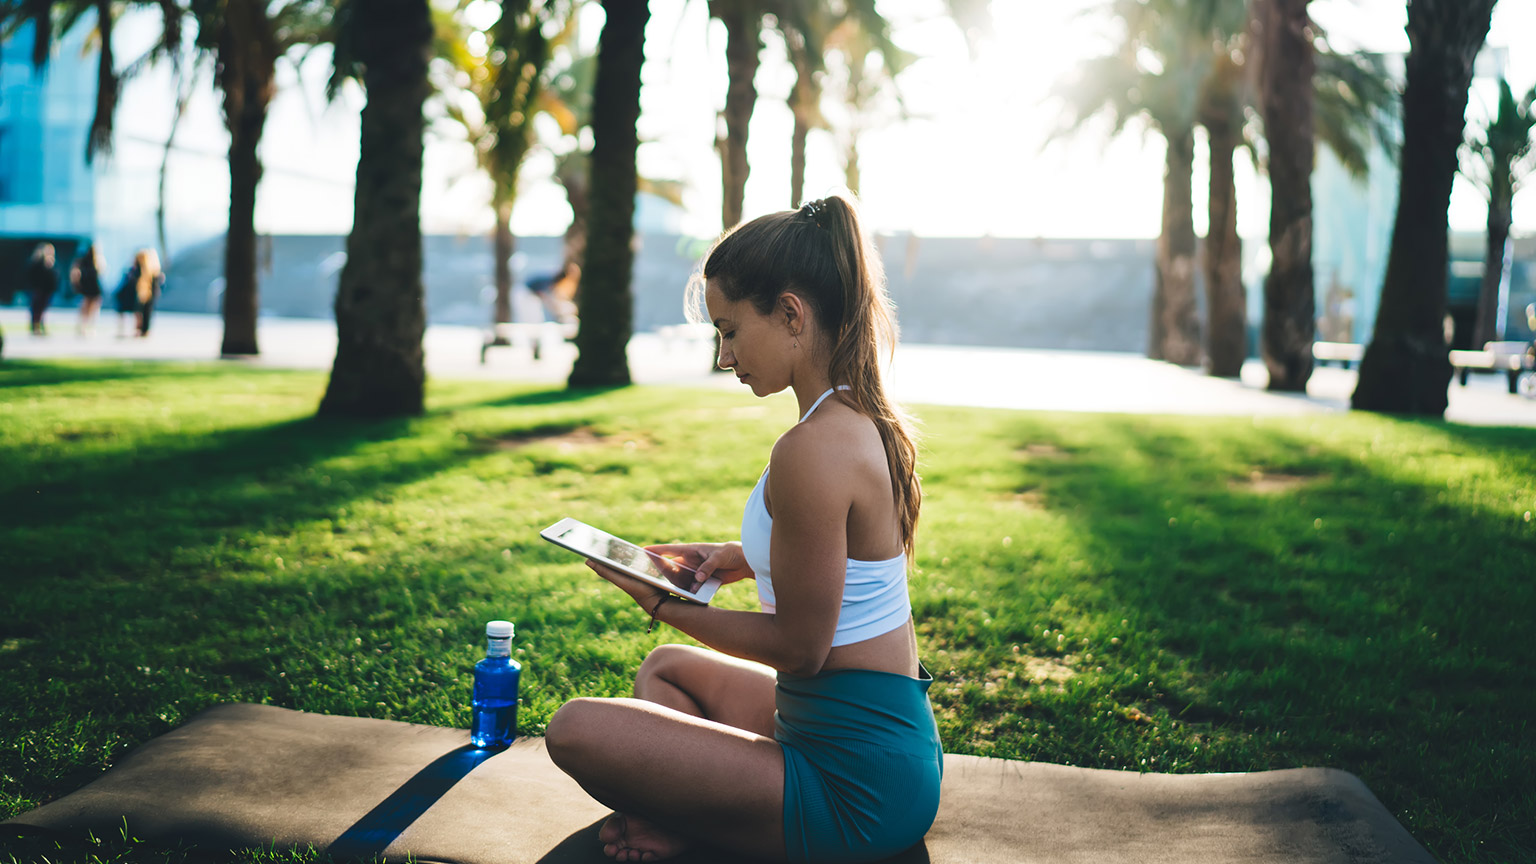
(757, 347)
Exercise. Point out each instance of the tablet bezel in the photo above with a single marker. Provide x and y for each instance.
(705, 593)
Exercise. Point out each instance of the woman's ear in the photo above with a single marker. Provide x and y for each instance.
(791, 310)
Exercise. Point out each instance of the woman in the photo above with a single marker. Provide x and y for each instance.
(42, 280)
(85, 276)
(806, 735)
(147, 280)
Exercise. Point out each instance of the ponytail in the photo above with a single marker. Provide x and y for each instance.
(819, 253)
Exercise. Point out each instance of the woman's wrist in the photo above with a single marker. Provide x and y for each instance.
(655, 608)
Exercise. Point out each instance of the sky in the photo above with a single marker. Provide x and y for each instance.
(972, 157)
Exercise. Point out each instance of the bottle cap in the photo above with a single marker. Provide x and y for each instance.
(499, 629)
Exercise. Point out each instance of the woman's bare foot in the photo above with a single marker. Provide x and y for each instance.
(630, 838)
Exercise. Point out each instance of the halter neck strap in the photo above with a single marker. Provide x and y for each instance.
(822, 398)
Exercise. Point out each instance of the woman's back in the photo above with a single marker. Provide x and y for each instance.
(841, 453)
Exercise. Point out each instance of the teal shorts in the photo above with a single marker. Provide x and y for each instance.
(862, 763)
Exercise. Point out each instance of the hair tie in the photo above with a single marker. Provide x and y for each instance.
(817, 211)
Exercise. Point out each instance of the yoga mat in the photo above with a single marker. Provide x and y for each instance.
(242, 775)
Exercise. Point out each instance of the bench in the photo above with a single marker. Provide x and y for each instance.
(1343, 353)
(688, 334)
(1511, 358)
(532, 333)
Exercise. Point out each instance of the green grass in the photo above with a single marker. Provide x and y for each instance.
(1152, 594)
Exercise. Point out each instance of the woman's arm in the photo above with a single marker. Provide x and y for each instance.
(808, 486)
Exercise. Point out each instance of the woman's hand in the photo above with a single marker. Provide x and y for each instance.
(646, 596)
(723, 561)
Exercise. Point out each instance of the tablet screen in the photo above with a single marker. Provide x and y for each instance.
(583, 539)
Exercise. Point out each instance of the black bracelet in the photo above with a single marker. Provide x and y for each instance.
(664, 598)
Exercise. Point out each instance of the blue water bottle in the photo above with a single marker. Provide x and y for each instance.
(495, 698)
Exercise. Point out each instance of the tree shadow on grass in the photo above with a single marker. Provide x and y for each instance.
(556, 396)
(1344, 618)
(17, 374)
(225, 482)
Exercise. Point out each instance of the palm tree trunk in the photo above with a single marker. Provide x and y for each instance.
(607, 305)
(241, 285)
(247, 65)
(380, 316)
(178, 110)
(1406, 368)
(1285, 86)
(1176, 327)
(851, 175)
(1500, 217)
(743, 41)
(802, 104)
(797, 160)
(1226, 303)
(503, 244)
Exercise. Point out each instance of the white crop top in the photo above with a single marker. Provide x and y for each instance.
(875, 597)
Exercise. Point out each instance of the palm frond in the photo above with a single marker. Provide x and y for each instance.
(302, 22)
(40, 14)
(1356, 107)
(345, 62)
(69, 15)
(100, 140)
(1102, 85)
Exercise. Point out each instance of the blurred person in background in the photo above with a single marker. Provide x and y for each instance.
(557, 291)
(42, 280)
(85, 278)
(145, 281)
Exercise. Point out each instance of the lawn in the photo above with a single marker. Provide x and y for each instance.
(1142, 593)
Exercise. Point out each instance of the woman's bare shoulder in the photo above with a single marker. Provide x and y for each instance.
(837, 444)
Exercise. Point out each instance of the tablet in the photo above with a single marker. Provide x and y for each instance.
(626, 557)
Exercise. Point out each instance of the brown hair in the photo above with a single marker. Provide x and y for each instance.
(149, 270)
(819, 253)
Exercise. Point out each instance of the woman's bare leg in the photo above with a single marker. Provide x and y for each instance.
(701, 683)
(659, 766)
(711, 685)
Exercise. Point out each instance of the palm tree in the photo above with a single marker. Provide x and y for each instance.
(1155, 74)
(872, 63)
(1286, 63)
(861, 37)
(743, 20)
(1406, 368)
(380, 315)
(1502, 156)
(505, 83)
(606, 303)
(804, 24)
(567, 99)
(1221, 113)
(1353, 95)
(1354, 102)
(805, 96)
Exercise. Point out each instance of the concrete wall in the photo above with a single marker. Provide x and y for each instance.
(1088, 294)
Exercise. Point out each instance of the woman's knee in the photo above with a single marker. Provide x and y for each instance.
(668, 663)
(571, 727)
(664, 659)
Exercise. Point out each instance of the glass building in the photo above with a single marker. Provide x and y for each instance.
(47, 190)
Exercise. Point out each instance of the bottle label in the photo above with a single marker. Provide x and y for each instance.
(498, 648)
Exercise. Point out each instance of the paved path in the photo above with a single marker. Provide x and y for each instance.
(921, 374)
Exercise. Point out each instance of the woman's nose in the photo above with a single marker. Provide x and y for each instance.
(726, 359)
